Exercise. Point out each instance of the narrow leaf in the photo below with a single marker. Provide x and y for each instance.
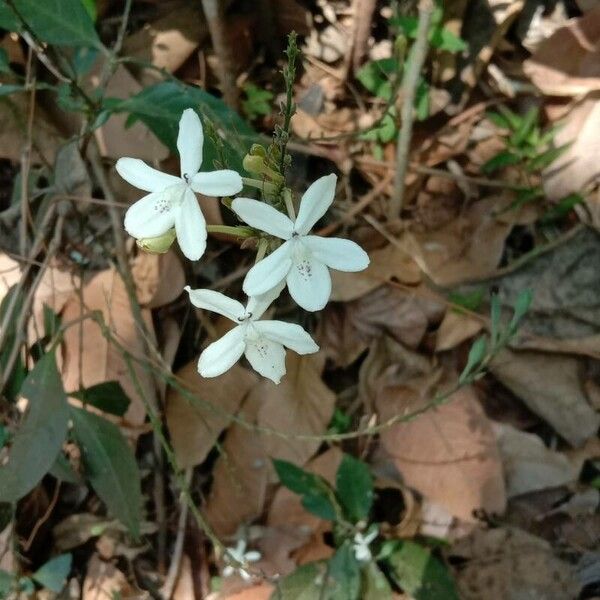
(54, 573)
(38, 441)
(501, 160)
(474, 359)
(110, 466)
(354, 488)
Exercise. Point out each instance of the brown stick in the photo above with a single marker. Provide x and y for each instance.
(363, 16)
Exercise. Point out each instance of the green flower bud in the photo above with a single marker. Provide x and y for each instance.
(253, 164)
(158, 245)
(258, 150)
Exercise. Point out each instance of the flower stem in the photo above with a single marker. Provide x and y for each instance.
(238, 232)
(264, 186)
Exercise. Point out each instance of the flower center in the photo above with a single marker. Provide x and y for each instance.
(302, 261)
(186, 178)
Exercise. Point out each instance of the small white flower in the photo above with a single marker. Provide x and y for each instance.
(240, 555)
(302, 261)
(360, 545)
(262, 342)
(172, 202)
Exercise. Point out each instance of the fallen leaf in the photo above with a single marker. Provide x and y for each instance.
(10, 273)
(240, 475)
(159, 278)
(103, 580)
(195, 425)
(456, 328)
(300, 404)
(89, 358)
(448, 454)
(574, 70)
(386, 263)
(184, 588)
(550, 385)
(509, 563)
(262, 591)
(528, 465)
(576, 168)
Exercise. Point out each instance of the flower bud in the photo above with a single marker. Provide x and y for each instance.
(258, 150)
(253, 164)
(158, 245)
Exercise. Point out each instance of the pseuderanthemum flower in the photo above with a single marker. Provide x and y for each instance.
(172, 202)
(262, 342)
(302, 261)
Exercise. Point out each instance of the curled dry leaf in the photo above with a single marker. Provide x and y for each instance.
(158, 278)
(448, 454)
(300, 404)
(240, 475)
(528, 465)
(89, 358)
(550, 385)
(195, 425)
(573, 70)
(386, 263)
(456, 328)
(509, 563)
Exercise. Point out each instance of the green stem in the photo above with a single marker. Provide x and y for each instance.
(238, 232)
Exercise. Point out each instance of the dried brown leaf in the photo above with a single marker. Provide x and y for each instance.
(448, 454)
(159, 278)
(456, 328)
(196, 425)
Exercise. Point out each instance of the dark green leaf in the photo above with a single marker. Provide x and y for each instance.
(8, 19)
(60, 22)
(51, 322)
(38, 440)
(562, 208)
(501, 160)
(375, 586)
(160, 107)
(340, 422)
(498, 119)
(408, 25)
(354, 488)
(545, 159)
(495, 312)
(3, 436)
(54, 573)
(420, 574)
(108, 396)
(526, 127)
(375, 76)
(315, 491)
(422, 100)
(343, 582)
(304, 583)
(476, 355)
(471, 301)
(110, 466)
(4, 64)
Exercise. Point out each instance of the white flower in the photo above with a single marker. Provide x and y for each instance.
(261, 341)
(360, 545)
(302, 261)
(240, 555)
(172, 202)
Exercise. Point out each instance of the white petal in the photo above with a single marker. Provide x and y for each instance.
(189, 142)
(222, 354)
(315, 202)
(154, 214)
(309, 283)
(140, 175)
(228, 571)
(264, 217)
(336, 253)
(292, 336)
(269, 272)
(217, 183)
(190, 227)
(216, 302)
(252, 556)
(257, 305)
(267, 358)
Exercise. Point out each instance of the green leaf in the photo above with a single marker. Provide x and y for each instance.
(514, 120)
(258, 101)
(498, 119)
(7, 581)
(476, 355)
(501, 160)
(315, 491)
(422, 100)
(108, 396)
(110, 466)
(545, 159)
(526, 126)
(4, 64)
(304, 583)
(375, 586)
(160, 107)
(343, 582)
(408, 25)
(386, 131)
(8, 19)
(59, 22)
(3, 436)
(354, 488)
(521, 307)
(420, 574)
(495, 312)
(375, 77)
(562, 208)
(470, 301)
(444, 39)
(38, 440)
(54, 573)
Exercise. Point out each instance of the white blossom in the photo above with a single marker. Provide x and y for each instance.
(172, 202)
(302, 261)
(360, 545)
(262, 342)
(242, 556)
